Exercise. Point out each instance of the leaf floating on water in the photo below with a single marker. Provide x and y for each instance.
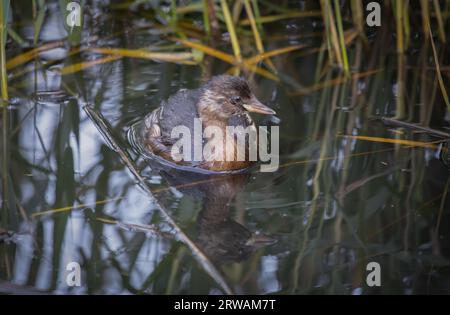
(430, 145)
(31, 54)
(273, 53)
(227, 58)
(208, 50)
(176, 57)
(293, 15)
(85, 65)
(149, 230)
(334, 82)
(57, 96)
(399, 123)
(74, 207)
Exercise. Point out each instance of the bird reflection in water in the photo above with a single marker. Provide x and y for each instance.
(220, 237)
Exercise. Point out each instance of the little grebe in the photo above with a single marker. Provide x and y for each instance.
(222, 101)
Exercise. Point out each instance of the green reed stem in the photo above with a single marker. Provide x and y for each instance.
(341, 36)
(251, 17)
(399, 25)
(440, 20)
(231, 30)
(358, 18)
(330, 30)
(206, 22)
(406, 24)
(438, 71)
(425, 17)
(237, 9)
(326, 23)
(39, 21)
(257, 16)
(4, 8)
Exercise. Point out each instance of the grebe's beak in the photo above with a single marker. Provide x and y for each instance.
(255, 106)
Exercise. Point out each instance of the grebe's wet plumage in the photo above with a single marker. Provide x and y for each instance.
(223, 101)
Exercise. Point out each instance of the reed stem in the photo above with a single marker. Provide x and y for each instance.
(4, 8)
(337, 10)
(231, 30)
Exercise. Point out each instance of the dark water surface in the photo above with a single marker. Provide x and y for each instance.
(335, 204)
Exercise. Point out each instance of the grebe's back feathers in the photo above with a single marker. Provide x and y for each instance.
(179, 110)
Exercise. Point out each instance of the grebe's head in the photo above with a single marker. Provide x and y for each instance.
(226, 95)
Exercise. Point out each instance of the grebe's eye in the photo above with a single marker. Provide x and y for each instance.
(235, 100)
